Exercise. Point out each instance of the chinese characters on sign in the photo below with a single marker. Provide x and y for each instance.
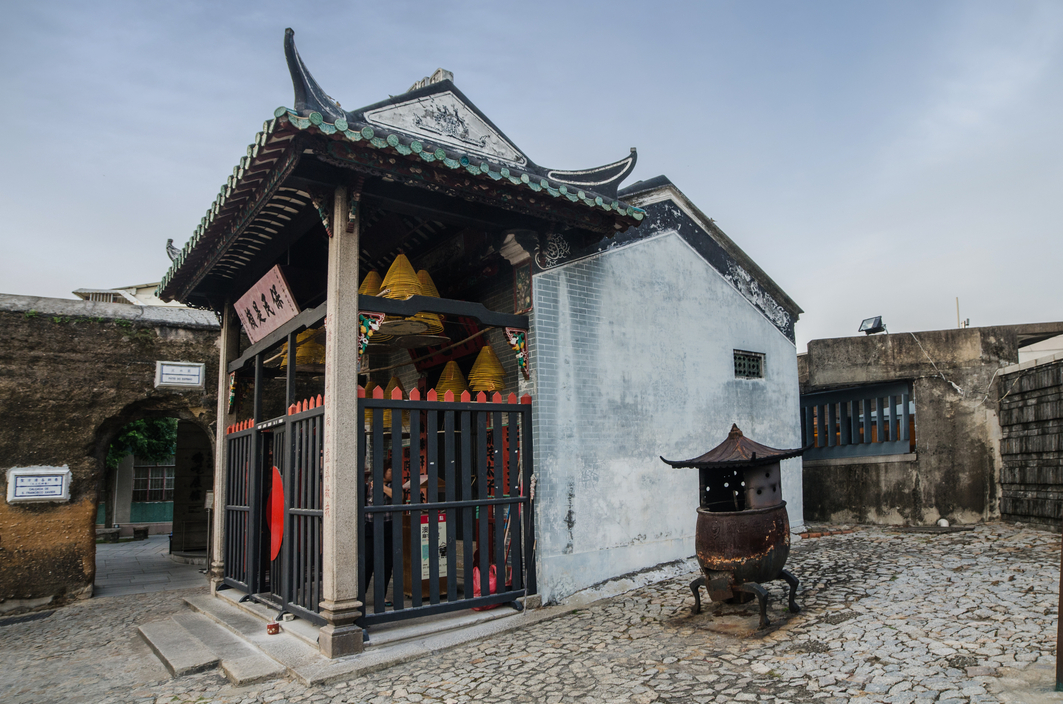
(266, 306)
(38, 484)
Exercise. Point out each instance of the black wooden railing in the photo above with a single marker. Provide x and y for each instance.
(466, 466)
(858, 422)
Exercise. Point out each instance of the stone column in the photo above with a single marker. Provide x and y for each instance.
(340, 605)
(229, 344)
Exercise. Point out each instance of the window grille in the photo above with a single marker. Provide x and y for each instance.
(749, 365)
(153, 484)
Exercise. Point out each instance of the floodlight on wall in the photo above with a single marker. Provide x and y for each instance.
(872, 325)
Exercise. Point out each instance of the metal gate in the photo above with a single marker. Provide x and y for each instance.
(290, 581)
(465, 472)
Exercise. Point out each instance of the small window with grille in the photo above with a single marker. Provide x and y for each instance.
(749, 365)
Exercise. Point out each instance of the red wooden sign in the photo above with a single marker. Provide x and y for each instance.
(266, 306)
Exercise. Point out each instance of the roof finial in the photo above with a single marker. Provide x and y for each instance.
(735, 432)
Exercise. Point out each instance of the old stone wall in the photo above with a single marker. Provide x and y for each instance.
(954, 472)
(72, 373)
(1031, 423)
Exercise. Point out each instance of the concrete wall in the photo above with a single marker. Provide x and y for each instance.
(72, 373)
(632, 358)
(1031, 420)
(954, 472)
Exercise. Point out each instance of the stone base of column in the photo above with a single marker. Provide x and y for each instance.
(340, 636)
(216, 576)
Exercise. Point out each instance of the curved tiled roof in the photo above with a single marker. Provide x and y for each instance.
(271, 157)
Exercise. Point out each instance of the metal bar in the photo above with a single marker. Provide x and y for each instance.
(483, 543)
(416, 569)
(389, 616)
(466, 492)
(287, 454)
(497, 462)
(892, 418)
(471, 503)
(432, 465)
(449, 485)
(378, 520)
(254, 580)
(529, 510)
(396, 498)
(514, 489)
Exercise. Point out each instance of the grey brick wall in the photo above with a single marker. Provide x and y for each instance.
(1031, 424)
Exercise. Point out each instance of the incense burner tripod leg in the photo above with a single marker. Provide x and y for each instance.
(762, 596)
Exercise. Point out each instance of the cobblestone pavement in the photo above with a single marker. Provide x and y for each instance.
(888, 617)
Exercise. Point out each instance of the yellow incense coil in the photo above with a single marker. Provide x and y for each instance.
(307, 349)
(369, 394)
(451, 380)
(401, 280)
(428, 287)
(370, 284)
(392, 385)
(487, 373)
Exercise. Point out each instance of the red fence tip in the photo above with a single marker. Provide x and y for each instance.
(415, 395)
(396, 394)
(481, 397)
(497, 398)
(431, 395)
(525, 398)
(448, 397)
(465, 397)
(320, 401)
(361, 392)
(512, 399)
(378, 393)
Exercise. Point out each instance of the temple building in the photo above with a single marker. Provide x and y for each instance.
(444, 363)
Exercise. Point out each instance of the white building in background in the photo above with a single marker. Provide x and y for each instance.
(135, 295)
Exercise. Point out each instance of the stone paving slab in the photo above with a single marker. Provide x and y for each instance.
(887, 618)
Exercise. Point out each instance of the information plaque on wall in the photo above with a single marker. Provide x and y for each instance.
(179, 375)
(30, 484)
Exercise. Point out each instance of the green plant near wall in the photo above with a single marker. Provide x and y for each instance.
(151, 439)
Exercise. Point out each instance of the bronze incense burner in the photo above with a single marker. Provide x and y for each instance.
(743, 531)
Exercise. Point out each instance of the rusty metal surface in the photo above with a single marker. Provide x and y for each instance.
(736, 451)
(751, 545)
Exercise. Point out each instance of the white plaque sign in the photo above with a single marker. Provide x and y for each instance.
(29, 484)
(179, 375)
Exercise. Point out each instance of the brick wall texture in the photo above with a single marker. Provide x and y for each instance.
(1031, 422)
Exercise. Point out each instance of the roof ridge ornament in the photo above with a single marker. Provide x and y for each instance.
(441, 74)
(309, 96)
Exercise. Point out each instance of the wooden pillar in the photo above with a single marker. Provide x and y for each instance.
(339, 604)
(230, 350)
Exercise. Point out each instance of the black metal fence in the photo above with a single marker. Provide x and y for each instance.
(461, 531)
(301, 585)
(238, 507)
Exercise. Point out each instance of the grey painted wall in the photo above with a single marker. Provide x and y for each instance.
(632, 358)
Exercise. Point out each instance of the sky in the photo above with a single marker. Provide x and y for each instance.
(872, 158)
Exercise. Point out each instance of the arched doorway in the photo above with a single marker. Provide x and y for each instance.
(152, 519)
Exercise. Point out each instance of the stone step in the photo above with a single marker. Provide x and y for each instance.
(302, 661)
(180, 652)
(241, 662)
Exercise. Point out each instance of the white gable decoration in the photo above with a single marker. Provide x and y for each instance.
(445, 120)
